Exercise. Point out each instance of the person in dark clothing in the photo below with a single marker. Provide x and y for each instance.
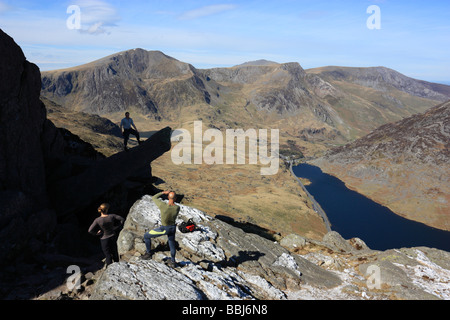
(126, 125)
(107, 226)
(169, 213)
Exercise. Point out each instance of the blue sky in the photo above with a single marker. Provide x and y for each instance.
(414, 38)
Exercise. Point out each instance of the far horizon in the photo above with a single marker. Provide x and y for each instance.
(410, 37)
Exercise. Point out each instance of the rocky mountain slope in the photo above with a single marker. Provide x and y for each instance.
(383, 79)
(148, 81)
(403, 165)
(219, 261)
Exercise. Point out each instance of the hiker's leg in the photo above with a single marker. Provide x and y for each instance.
(138, 137)
(172, 243)
(148, 242)
(126, 136)
(155, 233)
(113, 248)
(106, 250)
(136, 134)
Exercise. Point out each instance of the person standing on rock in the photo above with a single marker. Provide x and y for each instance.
(107, 226)
(126, 125)
(169, 213)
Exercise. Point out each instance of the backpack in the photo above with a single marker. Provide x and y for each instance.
(186, 227)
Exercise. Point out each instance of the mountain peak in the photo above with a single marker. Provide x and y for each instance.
(260, 62)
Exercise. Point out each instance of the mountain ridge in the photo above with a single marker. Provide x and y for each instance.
(122, 80)
(259, 62)
(140, 80)
(371, 77)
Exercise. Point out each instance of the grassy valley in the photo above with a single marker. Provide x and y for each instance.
(314, 110)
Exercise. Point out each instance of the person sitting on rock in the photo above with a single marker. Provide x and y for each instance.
(169, 213)
(126, 125)
(107, 226)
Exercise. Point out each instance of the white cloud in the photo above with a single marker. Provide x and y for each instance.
(96, 28)
(97, 16)
(206, 11)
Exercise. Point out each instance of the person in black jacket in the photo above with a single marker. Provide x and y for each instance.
(126, 125)
(108, 227)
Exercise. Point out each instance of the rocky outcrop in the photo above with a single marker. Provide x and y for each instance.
(78, 191)
(48, 176)
(22, 122)
(219, 261)
(23, 132)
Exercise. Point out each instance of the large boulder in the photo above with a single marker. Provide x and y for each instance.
(219, 260)
(158, 282)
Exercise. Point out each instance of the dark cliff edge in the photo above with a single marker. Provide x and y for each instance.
(51, 181)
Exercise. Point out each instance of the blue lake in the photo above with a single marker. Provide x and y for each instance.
(354, 215)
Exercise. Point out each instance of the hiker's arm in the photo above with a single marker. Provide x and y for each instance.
(156, 199)
(121, 221)
(132, 124)
(119, 218)
(94, 228)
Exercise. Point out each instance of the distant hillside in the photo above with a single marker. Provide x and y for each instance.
(326, 105)
(102, 134)
(261, 62)
(383, 79)
(403, 165)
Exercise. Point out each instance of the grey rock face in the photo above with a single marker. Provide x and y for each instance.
(155, 281)
(130, 78)
(223, 261)
(219, 262)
